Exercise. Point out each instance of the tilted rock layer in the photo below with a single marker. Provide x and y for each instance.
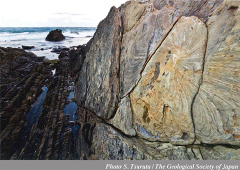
(164, 78)
(98, 85)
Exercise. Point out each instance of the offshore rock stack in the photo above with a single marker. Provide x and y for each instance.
(55, 35)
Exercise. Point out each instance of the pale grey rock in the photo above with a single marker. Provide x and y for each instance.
(109, 144)
(220, 153)
(171, 152)
(123, 119)
(131, 14)
(233, 3)
(201, 9)
(98, 84)
(197, 142)
(145, 49)
(158, 18)
(216, 110)
(194, 153)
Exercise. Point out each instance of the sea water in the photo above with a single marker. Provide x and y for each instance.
(15, 37)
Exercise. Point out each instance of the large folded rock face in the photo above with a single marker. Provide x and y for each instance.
(201, 9)
(98, 85)
(163, 97)
(216, 110)
(139, 42)
(142, 33)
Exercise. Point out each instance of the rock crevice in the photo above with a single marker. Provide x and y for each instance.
(166, 64)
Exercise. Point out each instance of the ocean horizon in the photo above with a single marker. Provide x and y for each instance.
(16, 37)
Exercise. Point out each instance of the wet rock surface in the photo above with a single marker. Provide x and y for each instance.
(54, 133)
(22, 77)
(53, 136)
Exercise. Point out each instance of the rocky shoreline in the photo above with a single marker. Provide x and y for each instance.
(158, 80)
(23, 75)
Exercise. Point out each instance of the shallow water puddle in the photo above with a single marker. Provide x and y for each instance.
(32, 116)
(71, 108)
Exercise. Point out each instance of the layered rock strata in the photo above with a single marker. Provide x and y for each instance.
(22, 77)
(158, 80)
(217, 105)
(176, 79)
(98, 85)
(52, 137)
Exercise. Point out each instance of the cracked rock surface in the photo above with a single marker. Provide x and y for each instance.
(163, 97)
(178, 66)
(98, 85)
(158, 80)
(216, 110)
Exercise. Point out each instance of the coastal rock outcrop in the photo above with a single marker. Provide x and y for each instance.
(162, 99)
(98, 83)
(174, 84)
(139, 42)
(55, 35)
(216, 110)
(22, 77)
(158, 80)
(25, 47)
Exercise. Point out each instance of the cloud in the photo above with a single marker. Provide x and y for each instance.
(68, 13)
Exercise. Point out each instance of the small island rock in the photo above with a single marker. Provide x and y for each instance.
(55, 35)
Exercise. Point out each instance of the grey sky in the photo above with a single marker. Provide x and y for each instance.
(51, 13)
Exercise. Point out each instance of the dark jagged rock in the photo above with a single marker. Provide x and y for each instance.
(27, 47)
(22, 77)
(77, 33)
(56, 50)
(53, 135)
(55, 35)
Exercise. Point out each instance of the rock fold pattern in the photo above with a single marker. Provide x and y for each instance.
(217, 106)
(174, 85)
(158, 80)
(162, 99)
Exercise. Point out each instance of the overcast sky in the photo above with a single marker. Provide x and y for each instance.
(54, 13)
